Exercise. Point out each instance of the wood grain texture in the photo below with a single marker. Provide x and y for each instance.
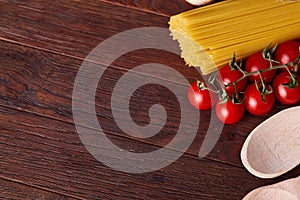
(36, 120)
(42, 45)
(36, 81)
(48, 153)
(12, 190)
(73, 27)
(160, 7)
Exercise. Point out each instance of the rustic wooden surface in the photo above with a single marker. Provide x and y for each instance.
(42, 45)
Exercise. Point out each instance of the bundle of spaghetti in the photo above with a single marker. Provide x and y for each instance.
(209, 36)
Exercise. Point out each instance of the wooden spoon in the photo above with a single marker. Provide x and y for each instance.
(285, 190)
(273, 147)
(199, 2)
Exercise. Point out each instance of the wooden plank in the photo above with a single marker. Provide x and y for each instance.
(47, 153)
(13, 190)
(69, 27)
(36, 81)
(159, 7)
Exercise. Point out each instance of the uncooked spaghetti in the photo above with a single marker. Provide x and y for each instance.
(209, 35)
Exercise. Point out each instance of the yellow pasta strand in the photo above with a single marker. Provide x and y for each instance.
(209, 35)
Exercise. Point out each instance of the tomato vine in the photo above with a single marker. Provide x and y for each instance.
(273, 73)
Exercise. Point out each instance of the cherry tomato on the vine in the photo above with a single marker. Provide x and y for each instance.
(229, 112)
(256, 62)
(201, 99)
(284, 93)
(258, 98)
(254, 102)
(228, 76)
(287, 52)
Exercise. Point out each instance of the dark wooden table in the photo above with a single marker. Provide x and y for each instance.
(42, 46)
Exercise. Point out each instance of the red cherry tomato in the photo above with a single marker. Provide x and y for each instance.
(254, 103)
(287, 52)
(201, 99)
(228, 76)
(256, 62)
(229, 112)
(283, 93)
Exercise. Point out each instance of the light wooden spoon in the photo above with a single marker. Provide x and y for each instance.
(273, 147)
(199, 2)
(285, 190)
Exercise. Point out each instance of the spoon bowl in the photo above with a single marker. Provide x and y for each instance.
(285, 190)
(273, 147)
